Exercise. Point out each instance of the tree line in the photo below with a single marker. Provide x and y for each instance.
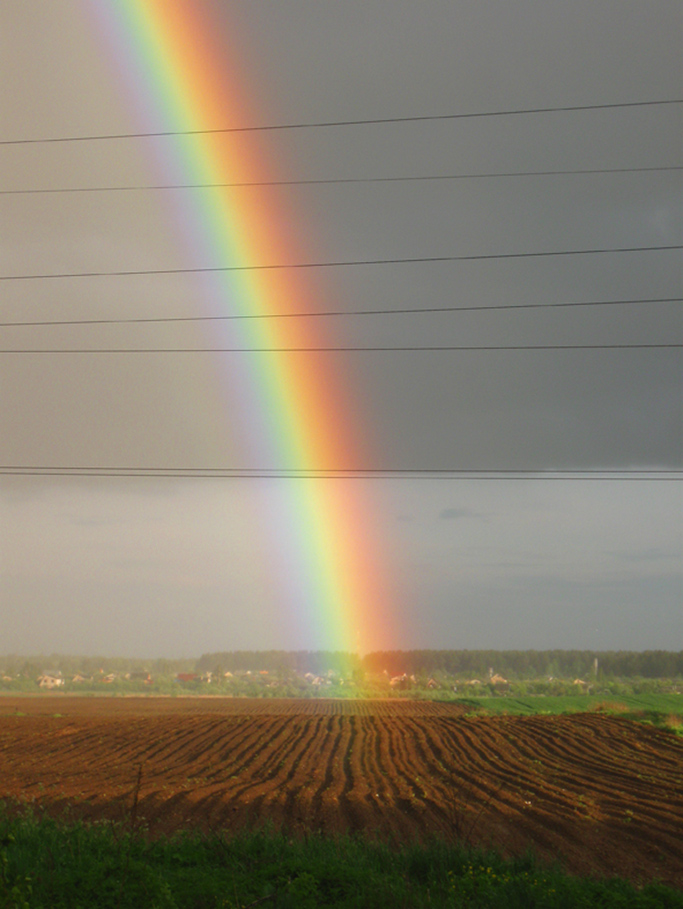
(480, 664)
(517, 664)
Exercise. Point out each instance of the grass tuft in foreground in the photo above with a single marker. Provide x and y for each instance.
(64, 864)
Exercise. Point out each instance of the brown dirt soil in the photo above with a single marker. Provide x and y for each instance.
(602, 794)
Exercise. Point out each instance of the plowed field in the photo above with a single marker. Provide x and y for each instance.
(603, 794)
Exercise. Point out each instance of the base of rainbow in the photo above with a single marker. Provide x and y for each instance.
(181, 73)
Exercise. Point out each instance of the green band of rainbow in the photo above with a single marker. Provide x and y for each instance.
(182, 75)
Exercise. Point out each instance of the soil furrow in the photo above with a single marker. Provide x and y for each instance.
(604, 792)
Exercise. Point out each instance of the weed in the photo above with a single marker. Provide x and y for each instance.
(136, 798)
(64, 865)
(608, 707)
(674, 723)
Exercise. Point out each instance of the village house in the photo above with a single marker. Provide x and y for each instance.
(401, 682)
(51, 678)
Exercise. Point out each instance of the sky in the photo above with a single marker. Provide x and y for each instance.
(550, 556)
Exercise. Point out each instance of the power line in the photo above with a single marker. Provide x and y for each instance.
(339, 181)
(264, 471)
(340, 123)
(333, 264)
(303, 350)
(618, 475)
(338, 313)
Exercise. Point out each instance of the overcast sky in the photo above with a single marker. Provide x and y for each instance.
(163, 567)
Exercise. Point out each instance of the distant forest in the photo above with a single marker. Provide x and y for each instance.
(515, 664)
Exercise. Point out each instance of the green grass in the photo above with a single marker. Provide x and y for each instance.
(653, 706)
(660, 702)
(72, 865)
(532, 704)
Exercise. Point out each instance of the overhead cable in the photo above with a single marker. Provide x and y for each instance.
(342, 264)
(338, 313)
(303, 350)
(375, 121)
(657, 475)
(339, 181)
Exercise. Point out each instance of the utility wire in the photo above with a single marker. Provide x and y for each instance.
(390, 474)
(424, 349)
(264, 471)
(339, 123)
(338, 181)
(332, 264)
(338, 313)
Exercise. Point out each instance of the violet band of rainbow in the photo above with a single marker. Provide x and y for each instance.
(179, 70)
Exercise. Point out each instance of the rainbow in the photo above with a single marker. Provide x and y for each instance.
(182, 74)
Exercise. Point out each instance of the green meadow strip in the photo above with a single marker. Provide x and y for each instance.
(64, 864)
(661, 709)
